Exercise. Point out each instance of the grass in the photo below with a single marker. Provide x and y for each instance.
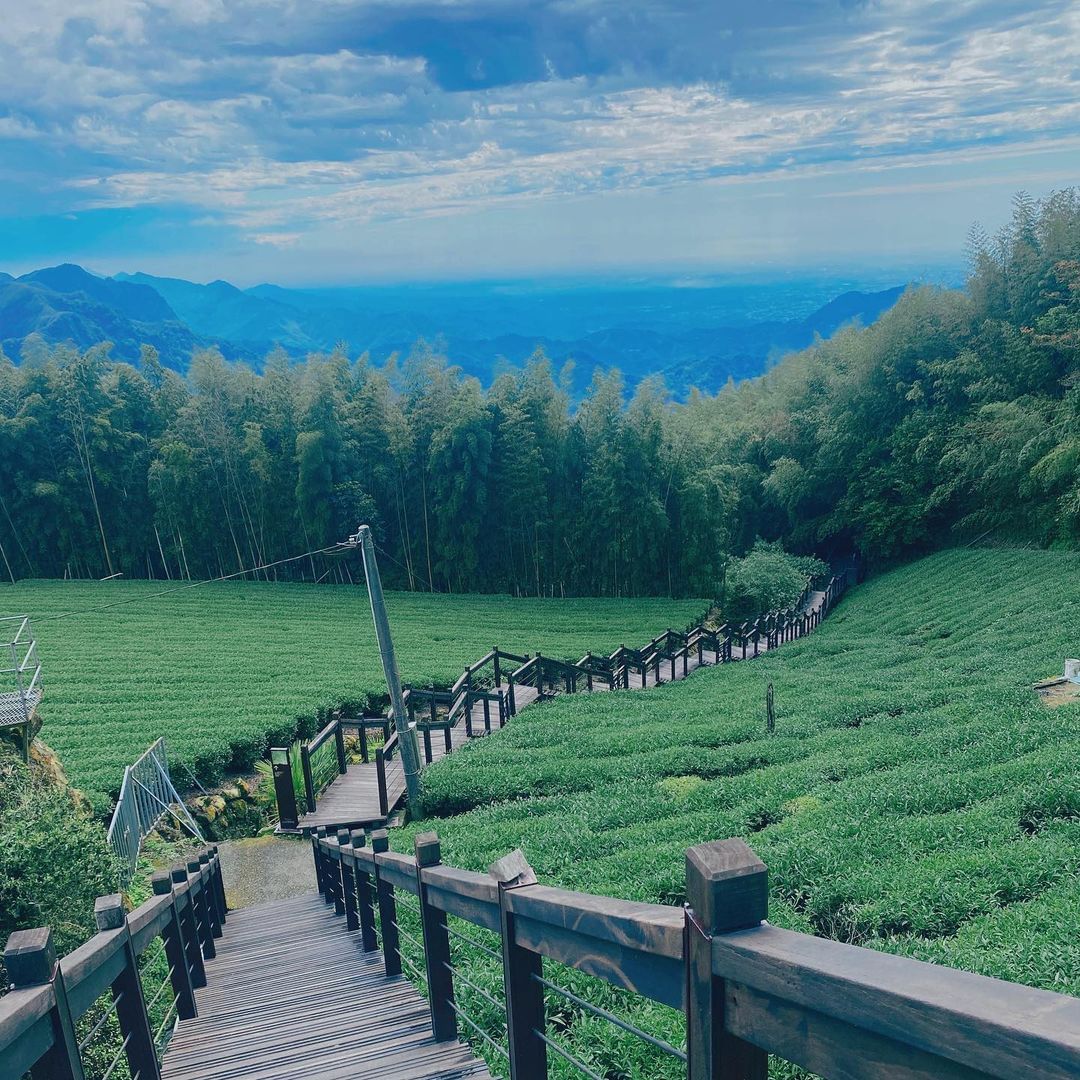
(222, 669)
(916, 797)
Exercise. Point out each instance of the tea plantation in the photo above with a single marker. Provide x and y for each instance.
(221, 669)
(916, 796)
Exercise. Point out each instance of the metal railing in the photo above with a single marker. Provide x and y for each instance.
(147, 795)
(20, 678)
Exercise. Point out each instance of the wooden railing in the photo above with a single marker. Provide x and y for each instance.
(491, 683)
(40, 1029)
(746, 989)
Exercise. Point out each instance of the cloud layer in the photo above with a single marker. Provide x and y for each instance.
(285, 119)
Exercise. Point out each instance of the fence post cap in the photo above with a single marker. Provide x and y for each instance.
(513, 869)
(161, 880)
(109, 912)
(358, 838)
(727, 885)
(193, 866)
(380, 841)
(427, 849)
(29, 957)
(178, 873)
(343, 837)
(204, 858)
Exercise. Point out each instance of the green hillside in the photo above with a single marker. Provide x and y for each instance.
(219, 669)
(916, 797)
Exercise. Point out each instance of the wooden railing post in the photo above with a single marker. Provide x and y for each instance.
(339, 744)
(522, 968)
(326, 886)
(313, 835)
(189, 928)
(387, 909)
(173, 939)
(440, 978)
(727, 888)
(309, 783)
(339, 871)
(213, 899)
(219, 881)
(510, 696)
(365, 907)
(330, 871)
(380, 779)
(30, 960)
(498, 669)
(362, 732)
(201, 902)
(348, 878)
(127, 994)
(281, 764)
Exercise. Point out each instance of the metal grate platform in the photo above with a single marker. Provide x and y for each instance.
(12, 710)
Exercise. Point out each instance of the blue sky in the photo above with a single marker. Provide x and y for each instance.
(337, 141)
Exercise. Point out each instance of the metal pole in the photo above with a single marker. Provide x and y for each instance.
(410, 749)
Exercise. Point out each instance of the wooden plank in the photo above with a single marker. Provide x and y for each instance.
(656, 929)
(468, 895)
(293, 996)
(148, 920)
(828, 1046)
(89, 970)
(661, 978)
(1000, 1028)
(26, 1028)
(398, 870)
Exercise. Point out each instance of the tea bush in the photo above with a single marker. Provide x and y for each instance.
(916, 797)
(226, 669)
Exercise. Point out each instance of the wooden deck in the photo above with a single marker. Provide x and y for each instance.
(291, 996)
(352, 800)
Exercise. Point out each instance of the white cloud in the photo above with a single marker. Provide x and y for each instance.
(279, 116)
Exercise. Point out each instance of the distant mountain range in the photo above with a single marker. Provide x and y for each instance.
(693, 336)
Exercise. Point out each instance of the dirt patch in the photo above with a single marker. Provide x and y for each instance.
(265, 868)
(1059, 691)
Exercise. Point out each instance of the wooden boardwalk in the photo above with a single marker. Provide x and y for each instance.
(352, 800)
(291, 996)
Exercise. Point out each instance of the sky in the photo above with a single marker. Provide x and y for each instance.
(344, 141)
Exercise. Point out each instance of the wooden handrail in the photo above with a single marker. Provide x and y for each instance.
(748, 989)
(38, 1017)
(615, 670)
(326, 733)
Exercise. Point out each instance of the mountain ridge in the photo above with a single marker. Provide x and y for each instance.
(650, 331)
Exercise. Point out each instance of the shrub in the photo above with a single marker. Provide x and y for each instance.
(54, 860)
(766, 579)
